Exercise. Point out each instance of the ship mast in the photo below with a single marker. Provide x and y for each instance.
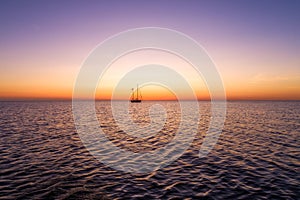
(137, 91)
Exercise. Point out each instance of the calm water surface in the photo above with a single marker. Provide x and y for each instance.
(257, 155)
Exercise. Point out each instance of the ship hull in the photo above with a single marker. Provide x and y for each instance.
(136, 101)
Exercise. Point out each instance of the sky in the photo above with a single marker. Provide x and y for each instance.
(254, 44)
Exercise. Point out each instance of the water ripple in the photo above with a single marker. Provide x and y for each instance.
(256, 157)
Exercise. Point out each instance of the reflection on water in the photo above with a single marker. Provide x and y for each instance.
(257, 155)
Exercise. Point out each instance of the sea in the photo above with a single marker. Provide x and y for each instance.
(257, 155)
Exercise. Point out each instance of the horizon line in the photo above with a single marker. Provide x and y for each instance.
(86, 99)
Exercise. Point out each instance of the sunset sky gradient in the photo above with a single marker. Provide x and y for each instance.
(254, 44)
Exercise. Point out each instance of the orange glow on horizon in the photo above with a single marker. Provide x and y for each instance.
(48, 83)
(240, 94)
(234, 92)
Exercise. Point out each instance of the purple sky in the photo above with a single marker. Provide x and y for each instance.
(259, 37)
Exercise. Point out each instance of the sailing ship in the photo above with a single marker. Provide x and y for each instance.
(136, 98)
